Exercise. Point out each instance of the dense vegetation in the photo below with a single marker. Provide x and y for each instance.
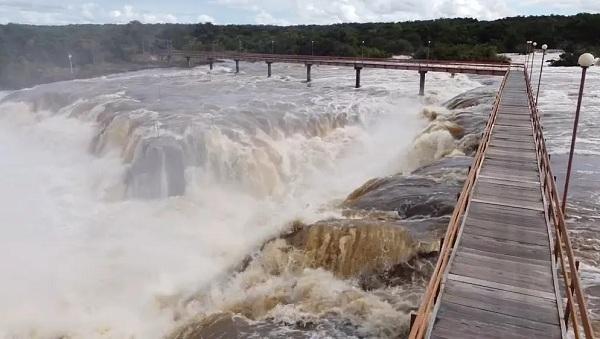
(34, 54)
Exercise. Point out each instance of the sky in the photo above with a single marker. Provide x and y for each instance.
(277, 12)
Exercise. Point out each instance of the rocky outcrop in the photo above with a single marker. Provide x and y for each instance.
(429, 192)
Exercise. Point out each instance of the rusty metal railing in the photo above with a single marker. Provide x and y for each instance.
(576, 312)
(422, 320)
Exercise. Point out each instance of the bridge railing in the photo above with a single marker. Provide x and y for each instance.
(264, 56)
(576, 312)
(429, 299)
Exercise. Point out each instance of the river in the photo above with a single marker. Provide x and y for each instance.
(130, 202)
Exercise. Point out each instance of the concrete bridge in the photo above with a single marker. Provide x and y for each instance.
(421, 66)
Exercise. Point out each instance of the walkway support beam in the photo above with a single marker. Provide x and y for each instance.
(237, 66)
(269, 68)
(210, 63)
(358, 69)
(422, 83)
(308, 68)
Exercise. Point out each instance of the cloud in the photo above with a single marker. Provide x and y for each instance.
(128, 13)
(278, 12)
(264, 18)
(206, 18)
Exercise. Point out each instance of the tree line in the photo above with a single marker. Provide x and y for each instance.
(29, 52)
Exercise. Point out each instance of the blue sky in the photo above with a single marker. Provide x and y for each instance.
(279, 12)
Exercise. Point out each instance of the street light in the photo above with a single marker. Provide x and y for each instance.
(71, 62)
(240, 45)
(428, 48)
(272, 47)
(312, 47)
(585, 61)
(544, 48)
(527, 52)
(532, 57)
(362, 50)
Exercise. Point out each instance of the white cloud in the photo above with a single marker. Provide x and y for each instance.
(206, 18)
(128, 13)
(264, 18)
(279, 12)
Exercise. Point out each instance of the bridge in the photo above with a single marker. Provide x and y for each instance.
(421, 66)
(506, 267)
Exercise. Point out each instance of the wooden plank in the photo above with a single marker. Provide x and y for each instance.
(506, 247)
(518, 183)
(458, 321)
(504, 287)
(499, 275)
(504, 302)
(540, 262)
(481, 210)
(510, 265)
(499, 230)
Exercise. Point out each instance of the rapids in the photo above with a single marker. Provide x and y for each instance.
(129, 201)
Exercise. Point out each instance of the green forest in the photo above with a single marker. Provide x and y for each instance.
(36, 54)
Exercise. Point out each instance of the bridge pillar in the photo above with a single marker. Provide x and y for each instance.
(237, 66)
(308, 68)
(422, 83)
(357, 68)
(210, 63)
(269, 68)
(189, 62)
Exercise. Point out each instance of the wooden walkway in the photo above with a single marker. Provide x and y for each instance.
(501, 281)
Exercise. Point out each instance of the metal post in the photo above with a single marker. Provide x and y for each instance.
(537, 95)
(527, 53)
(428, 48)
(573, 139)
(71, 63)
(312, 48)
(357, 68)
(210, 63)
(422, 83)
(308, 68)
(362, 50)
(269, 69)
(189, 62)
(237, 66)
(532, 58)
(272, 47)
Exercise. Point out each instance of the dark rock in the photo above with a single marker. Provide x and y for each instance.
(430, 192)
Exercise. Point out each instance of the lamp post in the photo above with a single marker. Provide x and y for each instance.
(585, 61)
(71, 62)
(537, 95)
(362, 49)
(272, 46)
(527, 52)
(428, 48)
(532, 57)
(312, 47)
(240, 45)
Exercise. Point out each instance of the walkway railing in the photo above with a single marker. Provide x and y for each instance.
(576, 312)
(421, 322)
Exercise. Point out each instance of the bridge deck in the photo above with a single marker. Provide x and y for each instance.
(467, 67)
(501, 281)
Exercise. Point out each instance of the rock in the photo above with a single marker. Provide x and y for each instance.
(348, 247)
(216, 326)
(422, 194)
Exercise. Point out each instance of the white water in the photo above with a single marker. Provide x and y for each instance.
(83, 260)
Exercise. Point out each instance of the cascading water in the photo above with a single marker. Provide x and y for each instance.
(125, 197)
